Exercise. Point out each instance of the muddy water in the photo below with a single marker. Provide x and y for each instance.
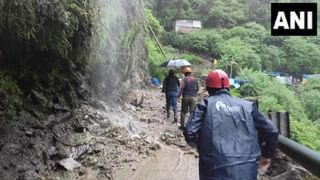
(169, 163)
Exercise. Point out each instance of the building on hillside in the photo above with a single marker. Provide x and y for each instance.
(186, 25)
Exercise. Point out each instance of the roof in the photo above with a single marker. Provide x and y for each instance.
(186, 18)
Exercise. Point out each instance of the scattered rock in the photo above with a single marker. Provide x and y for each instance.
(82, 171)
(60, 108)
(292, 175)
(51, 118)
(69, 164)
(98, 104)
(135, 98)
(98, 147)
(11, 148)
(130, 107)
(62, 116)
(155, 146)
(38, 98)
(80, 129)
(143, 119)
(91, 161)
(29, 133)
(80, 152)
(52, 151)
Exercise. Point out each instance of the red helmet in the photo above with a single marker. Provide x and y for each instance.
(217, 79)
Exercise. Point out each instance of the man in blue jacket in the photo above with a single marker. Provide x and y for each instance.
(170, 87)
(225, 130)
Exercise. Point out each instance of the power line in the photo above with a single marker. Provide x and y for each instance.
(153, 34)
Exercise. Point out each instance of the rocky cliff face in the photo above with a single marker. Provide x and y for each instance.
(54, 56)
(57, 52)
(120, 54)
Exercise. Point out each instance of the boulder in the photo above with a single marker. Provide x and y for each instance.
(135, 98)
(69, 164)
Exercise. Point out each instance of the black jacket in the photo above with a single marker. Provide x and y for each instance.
(170, 83)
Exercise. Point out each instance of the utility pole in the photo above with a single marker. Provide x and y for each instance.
(231, 67)
(214, 63)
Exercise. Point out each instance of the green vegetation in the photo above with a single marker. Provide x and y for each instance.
(272, 94)
(155, 57)
(10, 93)
(8, 85)
(47, 26)
(310, 98)
(237, 34)
(275, 96)
(250, 46)
(238, 30)
(42, 43)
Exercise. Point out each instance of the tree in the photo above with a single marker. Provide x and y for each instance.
(227, 13)
(271, 57)
(272, 94)
(259, 11)
(235, 49)
(309, 95)
(168, 10)
(154, 23)
(302, 57)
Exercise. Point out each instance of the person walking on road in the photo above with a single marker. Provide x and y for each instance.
(189, 89)
(170, 87)
(225, 129)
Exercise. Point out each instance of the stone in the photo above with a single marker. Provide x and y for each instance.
(82, 171)
(51, 117)
(63, 116)
(52, 151)
(98, 147)
(130, 107)
(38, 97)
(69, 164)
(143, 119)
(155, 147)
(11, 148)
(60, 108)
(135, 98)
(29, 133)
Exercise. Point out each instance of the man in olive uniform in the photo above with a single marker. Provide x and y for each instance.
(189, 89)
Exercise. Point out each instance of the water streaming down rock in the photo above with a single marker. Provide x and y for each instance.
(118, 49)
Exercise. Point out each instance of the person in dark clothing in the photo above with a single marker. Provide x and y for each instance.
(170, 87)
(189, 89)
(225, 129)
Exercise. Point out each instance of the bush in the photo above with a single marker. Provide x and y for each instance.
(309, 95)
(155, 58)
(272, 94)
(307, 133)
(277, 97)
(47, 26)
(10, 89)
(9, 85)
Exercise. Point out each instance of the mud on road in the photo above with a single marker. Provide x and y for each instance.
(174, 160)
